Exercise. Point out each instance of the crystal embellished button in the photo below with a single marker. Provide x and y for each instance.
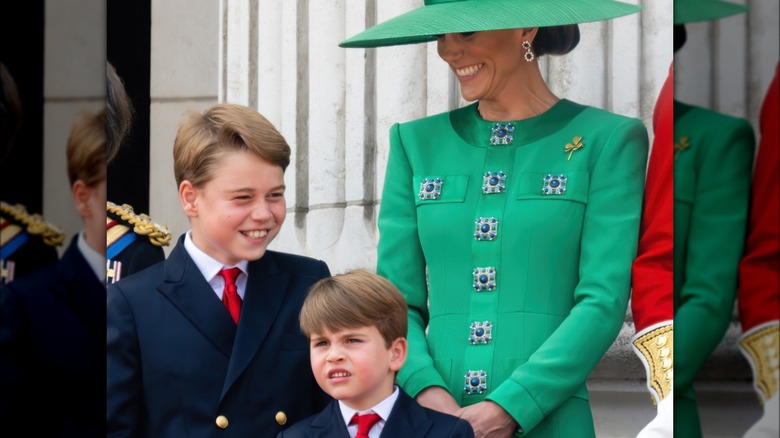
(486, 228)
(484, 279)
(554, 184)
(430, 188)
(480, 332)
(502, 134)
(475, 382)
(493, 182)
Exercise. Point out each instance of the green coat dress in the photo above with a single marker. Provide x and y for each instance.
(712, 173)
(515, 259)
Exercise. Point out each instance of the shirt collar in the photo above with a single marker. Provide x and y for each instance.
(95, 260)
(382, 408)
(207, 265)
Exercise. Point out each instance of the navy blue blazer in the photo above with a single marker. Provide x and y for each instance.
(408, 419)
(53, 350)
(179, 367)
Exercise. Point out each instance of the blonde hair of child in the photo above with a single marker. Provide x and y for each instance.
(358, 298)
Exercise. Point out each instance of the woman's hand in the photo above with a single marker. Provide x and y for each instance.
(489, 420)
(437, 398)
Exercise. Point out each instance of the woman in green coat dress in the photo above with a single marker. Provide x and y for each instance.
(509, 224)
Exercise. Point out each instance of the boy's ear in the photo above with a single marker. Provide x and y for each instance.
(81, 192)
(398, 350)
(188, 196)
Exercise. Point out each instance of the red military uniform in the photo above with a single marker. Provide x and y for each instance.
(652, 304)
(759, 270)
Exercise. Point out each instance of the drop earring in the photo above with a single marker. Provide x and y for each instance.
(529, 55)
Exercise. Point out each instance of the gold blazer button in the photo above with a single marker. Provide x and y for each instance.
(222, 422)
(281, 418)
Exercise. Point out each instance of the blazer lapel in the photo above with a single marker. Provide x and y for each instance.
(406, 419)
(186, 289)
(263, 299)
(81, 291)
(329, 423)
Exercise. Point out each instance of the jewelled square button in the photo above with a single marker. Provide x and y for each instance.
(493, 182)
(430, 188)
(481, 332)
(486, 228)
(484, 279)
(554, 184)
(475, 382)
(502, 134)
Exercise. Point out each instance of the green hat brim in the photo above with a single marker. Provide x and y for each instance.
(691, 11)
(425, 23)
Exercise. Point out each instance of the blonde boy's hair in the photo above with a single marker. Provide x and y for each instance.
(86, 150)
(357, 298)
(203, 138)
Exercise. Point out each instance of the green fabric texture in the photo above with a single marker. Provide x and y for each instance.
(562, 261)
(711, 196)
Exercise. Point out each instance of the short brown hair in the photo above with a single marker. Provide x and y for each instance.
(357, 298)
(205, 137)
(86, 150)
(556, 40)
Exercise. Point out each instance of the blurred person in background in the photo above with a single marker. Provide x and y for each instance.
(133, 240)
(652, 295)
(53, 321)
(713, 156)
(27, 241)
(758, 296)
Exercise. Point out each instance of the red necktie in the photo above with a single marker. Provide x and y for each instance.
(230, 297)
(364, 422)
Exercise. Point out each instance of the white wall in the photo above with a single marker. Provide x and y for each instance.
(184, 64)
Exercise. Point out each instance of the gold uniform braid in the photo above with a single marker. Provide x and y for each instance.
(51, 234)
(142, 224)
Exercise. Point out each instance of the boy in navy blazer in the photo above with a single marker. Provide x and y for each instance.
(356, 324)
(53, 320)
(193, 352)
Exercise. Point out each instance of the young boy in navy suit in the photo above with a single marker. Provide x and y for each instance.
(53, 320)
(356, 324)
(206, 342)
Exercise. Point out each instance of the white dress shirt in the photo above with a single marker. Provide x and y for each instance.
(382, 408)
(210, 268)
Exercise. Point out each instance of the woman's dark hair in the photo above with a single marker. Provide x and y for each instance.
(556, 40)
(119, 111)
(10, 112)
(680, 37)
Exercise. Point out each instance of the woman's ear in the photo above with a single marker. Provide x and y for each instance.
(188, 196)
(398, 350)
(529, 33)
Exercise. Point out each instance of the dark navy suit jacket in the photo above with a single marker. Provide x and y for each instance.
(177, 362)
(408, 419)
(53, 350)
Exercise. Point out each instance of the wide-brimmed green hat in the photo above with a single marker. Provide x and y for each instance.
(690, 11)
(438, 17)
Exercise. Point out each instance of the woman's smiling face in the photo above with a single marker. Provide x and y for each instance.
(484, 62)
